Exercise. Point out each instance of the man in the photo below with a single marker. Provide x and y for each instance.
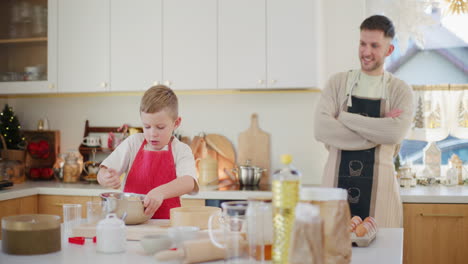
(361, 117)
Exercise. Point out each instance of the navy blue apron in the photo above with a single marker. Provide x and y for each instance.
(356, 173)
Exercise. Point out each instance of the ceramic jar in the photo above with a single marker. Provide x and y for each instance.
(111, 235)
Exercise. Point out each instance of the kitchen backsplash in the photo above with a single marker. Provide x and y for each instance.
(288, 117)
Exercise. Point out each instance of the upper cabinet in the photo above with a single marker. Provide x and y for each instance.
(71, 46)
(241, 44)
(136, 44)
(83, 46)
(292, 43)
(267, 44)
(189, 44)
(28, 46)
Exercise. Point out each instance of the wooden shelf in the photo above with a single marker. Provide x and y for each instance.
(89, 150)
(23, 40)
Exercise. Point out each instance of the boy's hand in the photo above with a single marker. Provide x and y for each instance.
(153, 201)
(108, 177)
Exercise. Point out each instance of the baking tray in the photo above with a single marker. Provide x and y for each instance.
(5, 183)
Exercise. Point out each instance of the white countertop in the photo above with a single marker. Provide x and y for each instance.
(52, 188)
(435, 194)
(418, 194)
(93, 189)
(386, 249)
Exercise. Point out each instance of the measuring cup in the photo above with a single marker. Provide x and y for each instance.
(233, 231)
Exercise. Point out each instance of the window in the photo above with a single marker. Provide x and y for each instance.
(412, 151)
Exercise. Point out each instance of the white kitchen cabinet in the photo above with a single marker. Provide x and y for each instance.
(241, 44)
(83, 46)
(189, 44)
(268, 44)
(35, 48)
(292, 43)
(136, 44)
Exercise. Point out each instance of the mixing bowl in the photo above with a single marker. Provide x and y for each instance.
(129, 203)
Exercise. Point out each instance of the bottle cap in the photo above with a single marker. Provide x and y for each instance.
(286, 159)
(322, 194)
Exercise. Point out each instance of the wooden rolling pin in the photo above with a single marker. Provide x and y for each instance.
(193, 251)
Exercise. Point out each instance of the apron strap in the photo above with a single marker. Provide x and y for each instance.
(352, 80)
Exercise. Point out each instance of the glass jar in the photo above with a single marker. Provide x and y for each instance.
(72, 168)
(260, 227)
(12, 170)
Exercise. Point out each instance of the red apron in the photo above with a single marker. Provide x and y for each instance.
(151, 169)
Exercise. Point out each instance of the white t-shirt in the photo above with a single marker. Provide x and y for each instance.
(121, 159)
(369, 86)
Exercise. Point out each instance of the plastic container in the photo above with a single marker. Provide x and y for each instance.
(31, 234)
(285, 187)
(260, 227)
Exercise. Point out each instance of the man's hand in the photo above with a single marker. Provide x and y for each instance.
(109, 177)
(153, 201)
(394, 113)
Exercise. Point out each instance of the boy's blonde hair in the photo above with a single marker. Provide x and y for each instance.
(158, 98)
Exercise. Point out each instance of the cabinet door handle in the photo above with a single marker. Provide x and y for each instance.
(168, 83)
(156, 83)
(273, 81)
(441, 215)
(261, 81)
(103, 84)
(51, 86)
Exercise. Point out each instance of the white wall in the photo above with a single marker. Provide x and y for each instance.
(341, 34)
(288, 117)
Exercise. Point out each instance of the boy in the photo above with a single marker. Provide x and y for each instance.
(157, 164)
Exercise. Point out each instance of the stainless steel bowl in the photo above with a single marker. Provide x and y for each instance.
(129, 203)
(248, 175)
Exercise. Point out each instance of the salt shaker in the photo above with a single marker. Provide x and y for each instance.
(111, 235)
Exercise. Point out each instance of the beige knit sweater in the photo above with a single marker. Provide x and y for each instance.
(340, 130)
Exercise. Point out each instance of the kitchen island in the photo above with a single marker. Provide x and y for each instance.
(386, 249)
(425, 207)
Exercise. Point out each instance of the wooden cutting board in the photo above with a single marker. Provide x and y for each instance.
(254, 145)
(134, 232)
(222, 145)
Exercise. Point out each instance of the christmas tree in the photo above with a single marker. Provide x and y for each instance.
(419, 116)
(397, 162)
(10, 128)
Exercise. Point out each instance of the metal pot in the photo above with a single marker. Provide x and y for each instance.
(248, 175)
